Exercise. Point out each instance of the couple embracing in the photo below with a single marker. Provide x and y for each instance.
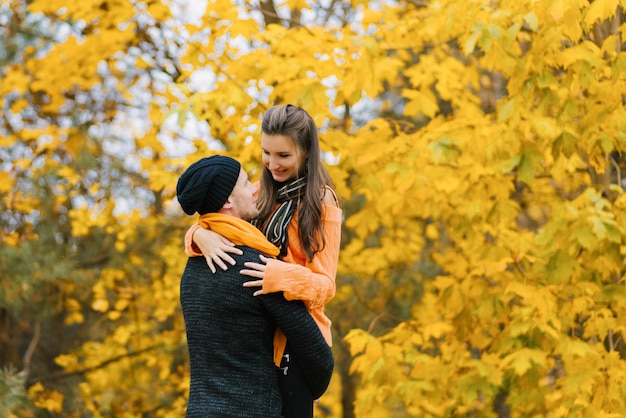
(258, 339)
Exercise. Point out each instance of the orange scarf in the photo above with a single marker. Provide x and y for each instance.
(238, 231)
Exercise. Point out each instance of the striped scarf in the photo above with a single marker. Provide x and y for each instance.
(276, 227)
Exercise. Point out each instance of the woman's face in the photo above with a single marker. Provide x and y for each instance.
(281, 156)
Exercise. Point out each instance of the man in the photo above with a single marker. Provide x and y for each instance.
(230, 331)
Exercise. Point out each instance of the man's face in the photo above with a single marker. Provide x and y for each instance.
(243, 198)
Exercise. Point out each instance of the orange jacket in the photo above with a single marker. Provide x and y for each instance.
(312, 282)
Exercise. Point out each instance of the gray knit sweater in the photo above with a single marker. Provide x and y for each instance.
(230, 340)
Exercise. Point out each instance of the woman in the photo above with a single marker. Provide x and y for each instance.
(300, 214)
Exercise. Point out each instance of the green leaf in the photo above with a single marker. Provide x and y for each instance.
(561, 265)
(505, 111)
(585, 237)
(525, 170)
(470, 43)
(531, 20)
(443, 150)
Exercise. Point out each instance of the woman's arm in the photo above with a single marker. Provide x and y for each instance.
(214, 247)
(313, 281)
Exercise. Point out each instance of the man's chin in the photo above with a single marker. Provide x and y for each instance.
(251, 215)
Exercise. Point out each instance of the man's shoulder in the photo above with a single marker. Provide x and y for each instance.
(249, 254)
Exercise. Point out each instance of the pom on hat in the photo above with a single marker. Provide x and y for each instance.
(206, 184)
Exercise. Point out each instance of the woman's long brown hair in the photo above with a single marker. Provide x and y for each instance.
(297, 124)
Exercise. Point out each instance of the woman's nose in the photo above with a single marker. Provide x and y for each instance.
(272, 164)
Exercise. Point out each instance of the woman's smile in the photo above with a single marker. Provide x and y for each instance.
(281, 157)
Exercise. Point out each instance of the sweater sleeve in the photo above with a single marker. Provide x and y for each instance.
(305, 339)
(314, 281)
(191, 249)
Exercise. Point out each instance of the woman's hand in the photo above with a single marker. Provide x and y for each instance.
(215, 248)
(257, 270)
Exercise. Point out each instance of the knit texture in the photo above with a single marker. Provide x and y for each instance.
(205, 185)
(230, 341)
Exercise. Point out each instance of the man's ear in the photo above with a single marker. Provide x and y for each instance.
(228, 204)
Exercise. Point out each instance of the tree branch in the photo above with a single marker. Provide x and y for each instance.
(65, 374)
(28, 355)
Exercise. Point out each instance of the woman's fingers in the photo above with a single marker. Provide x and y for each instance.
(209, 262)
(253, 283)
(253, 273)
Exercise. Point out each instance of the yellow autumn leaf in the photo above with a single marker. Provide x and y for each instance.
(68, 361)
(24, 203)
(600, 10)
(526, 292)
(14, 80)
(72, 304)
(387, 69)
(81, 221)
(49, 400)
(100, 305)
(121, 304)
(18, 105)
(357, 340)
(432, 232)
(435, 329)
(143, 63)
(54, 403)
(6, 182)
(74, 318)
(36, 389)
(433, 409)
(577, 348)
(120, 246)
(69, 174)
(420, 101)
(12, 239)
(122, 335)
(114, 315)
(159, 11)
(523, 360)
(7, 141)
(374, 350)
(443, 282)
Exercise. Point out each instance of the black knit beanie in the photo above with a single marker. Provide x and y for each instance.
(205, 186)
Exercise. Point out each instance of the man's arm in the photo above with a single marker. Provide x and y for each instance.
(314, 354)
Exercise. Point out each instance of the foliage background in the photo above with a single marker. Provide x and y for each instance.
(477, 147)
